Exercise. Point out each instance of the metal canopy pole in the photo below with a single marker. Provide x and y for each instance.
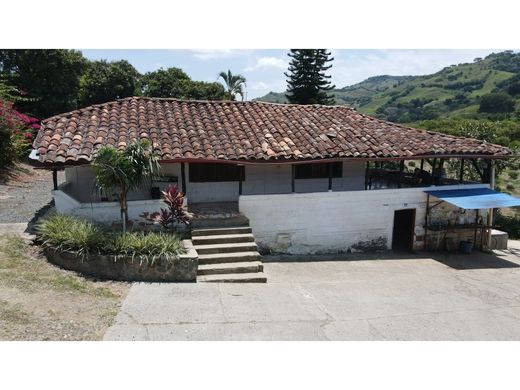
(461, 173)
(490, 211)
(426, 222)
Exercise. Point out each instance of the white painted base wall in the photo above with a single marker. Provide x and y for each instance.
(104, 212)
(332, 221)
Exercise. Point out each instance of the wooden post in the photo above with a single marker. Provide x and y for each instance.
(461, 173)
(330, 176)
(183, 179)
(240, 167)
(55, 178)
(401, 169)
(422, 163)
(292, 178)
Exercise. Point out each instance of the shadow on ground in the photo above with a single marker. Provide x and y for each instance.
(475, 260)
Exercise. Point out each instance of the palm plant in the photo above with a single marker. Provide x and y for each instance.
(124, 171)
(234, 84)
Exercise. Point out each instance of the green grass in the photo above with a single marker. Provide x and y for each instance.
(20, 268)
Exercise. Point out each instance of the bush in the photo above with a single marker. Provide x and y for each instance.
(509, 224)
(68, 233)
(513, 175)
(16, 133)
(510, 187)
(497, 102)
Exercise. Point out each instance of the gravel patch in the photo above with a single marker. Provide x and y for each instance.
(25, 192)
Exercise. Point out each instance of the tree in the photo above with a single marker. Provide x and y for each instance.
(164, 83)
(105, 81)
(497, 102)
(234, 84)
(124, 170)
(175, 83)
(307, 82)
(49, 78)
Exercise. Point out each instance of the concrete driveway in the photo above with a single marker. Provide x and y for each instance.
(456, 297)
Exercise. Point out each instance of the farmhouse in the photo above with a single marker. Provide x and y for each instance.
(306, 178)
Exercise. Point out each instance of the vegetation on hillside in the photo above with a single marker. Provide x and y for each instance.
(455, 91)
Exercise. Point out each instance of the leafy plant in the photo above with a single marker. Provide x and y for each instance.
(68, 233)
(124, 170)
(72, 234)
(175, 213)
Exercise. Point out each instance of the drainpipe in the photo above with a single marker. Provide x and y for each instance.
(490, 211)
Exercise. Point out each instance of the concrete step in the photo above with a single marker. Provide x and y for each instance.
(256, 277)
(222, 239)
(238, 257)
(231, 268)
(202, 222)
(226, 248)
(220, 231)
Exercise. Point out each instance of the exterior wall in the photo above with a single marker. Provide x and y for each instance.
(273, 179)
(103, 212)
(333, 221)
(260, 179)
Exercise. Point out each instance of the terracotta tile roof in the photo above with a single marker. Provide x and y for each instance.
(241, 131)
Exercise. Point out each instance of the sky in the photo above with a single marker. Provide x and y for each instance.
(264, 69)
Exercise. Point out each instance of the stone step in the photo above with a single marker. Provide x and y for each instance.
(256, 277)
(231, 268)
(238, 257)
(220, 231)
(222, 239)
(226, 248)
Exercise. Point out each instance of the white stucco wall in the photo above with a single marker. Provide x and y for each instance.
(104, 212)
(331, 221)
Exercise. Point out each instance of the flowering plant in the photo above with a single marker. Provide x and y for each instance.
(175, 213)
(17, 132)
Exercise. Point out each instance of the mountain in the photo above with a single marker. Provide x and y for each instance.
(455, 91)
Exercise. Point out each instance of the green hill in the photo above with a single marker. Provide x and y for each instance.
(453, 92)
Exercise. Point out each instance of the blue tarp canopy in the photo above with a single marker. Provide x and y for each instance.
(476, 198)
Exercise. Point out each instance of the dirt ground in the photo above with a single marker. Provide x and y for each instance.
(39, 301)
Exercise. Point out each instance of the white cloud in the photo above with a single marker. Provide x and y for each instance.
(215, 54)
(267, 62)
(209, 54)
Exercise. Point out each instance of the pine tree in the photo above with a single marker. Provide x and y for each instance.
(307, 82)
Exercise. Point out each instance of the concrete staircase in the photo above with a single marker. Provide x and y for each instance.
(228, 254)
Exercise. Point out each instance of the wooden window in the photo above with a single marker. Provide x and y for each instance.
(207, 172)
(318, 171)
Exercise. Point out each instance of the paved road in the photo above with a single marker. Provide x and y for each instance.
(457, 297)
